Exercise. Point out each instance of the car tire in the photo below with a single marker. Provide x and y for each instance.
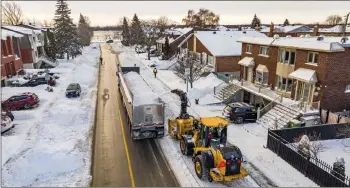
(27, 106)
(78, 94)
(239, 120)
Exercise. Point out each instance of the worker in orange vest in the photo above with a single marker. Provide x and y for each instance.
(155, 72)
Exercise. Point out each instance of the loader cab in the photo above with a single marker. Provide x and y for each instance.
(212, 129)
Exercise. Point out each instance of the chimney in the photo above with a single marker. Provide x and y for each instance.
(315, 31)
(272, 27)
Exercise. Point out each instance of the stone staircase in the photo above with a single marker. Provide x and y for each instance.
(227, 92)
(282, 113)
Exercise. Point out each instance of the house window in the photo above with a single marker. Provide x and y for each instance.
(284, 84)
(263, 50)
(15, 47)
(312, 57)
(286, 56)
(347, 89)
(261, 77)
(8, 42)
(249, 48)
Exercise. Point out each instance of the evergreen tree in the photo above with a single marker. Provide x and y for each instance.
(51, 50)
(136, 33)
(125, 33)
(167, 49)
(65, 31)
(84, 31)
(256, 21)
(286, 22)
(76, 43)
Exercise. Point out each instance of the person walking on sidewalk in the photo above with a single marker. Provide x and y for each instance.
(155, 72)
(101, 60)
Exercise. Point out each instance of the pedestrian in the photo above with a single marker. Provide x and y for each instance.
(155, 72)
(101, 60)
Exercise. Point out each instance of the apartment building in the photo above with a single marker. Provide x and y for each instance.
(309, 70)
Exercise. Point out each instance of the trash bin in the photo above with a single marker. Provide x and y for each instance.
(294, 123)
(196, 101)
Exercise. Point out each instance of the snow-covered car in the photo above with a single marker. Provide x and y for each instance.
(73, 90)
(7, 113)
(140, 50)
(55, 75)
(6, 123)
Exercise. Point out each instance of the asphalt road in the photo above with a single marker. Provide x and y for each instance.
(117, 160)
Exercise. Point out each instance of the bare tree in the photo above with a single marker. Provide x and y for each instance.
(202, 18)
(32, 21)
(191, 62)
(163, 23)
(310, 145)
(11, 13)
(334, 19)
(47, 23)
(150, 36)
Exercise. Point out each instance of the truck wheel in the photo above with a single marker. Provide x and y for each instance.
(183, 147)
(239, 120)
(200, 169)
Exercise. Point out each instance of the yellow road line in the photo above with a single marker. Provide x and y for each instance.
(126, 149)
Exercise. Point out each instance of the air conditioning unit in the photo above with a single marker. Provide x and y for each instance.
(288, 36)
(302, 36)
(320, 38)
(307, 36)
(276, 36)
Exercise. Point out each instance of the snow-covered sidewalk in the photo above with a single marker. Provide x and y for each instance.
(51, 145)
(249, 137)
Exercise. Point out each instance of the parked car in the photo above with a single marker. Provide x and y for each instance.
(37, 81)
(239, 112)
(22, 101)
(140, 50)
(6, 123)
(7, 113)
(73, 90)
(55, 75)
(109, 41)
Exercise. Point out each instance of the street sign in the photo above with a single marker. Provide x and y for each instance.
(187, 72)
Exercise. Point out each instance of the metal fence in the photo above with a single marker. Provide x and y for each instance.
(315, 169)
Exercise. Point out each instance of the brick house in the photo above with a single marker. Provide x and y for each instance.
(31, 46)
(218, 49)
(312, 70)
(11, 61)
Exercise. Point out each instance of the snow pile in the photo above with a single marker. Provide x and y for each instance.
(52, 142)
(141, 92)
(204, 86)
(127, 60)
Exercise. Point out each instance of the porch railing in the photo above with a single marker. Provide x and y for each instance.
(268, 107)
(218, 88)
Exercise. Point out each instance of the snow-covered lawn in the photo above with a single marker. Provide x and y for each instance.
(51, 145)
(249, 137)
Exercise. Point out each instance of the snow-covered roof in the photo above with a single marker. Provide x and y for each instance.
(136, 84)
(162, 40)
(335, 29)
(247, 61)
(21, 30)
(36, 27)
(221, 28)
(327, 44)
(287, 28)
(224, 43)
(178, 31)
(6, 33)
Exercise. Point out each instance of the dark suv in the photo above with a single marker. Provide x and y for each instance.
(239, 112)
(22, 101)
(73, 90)
(36, 81)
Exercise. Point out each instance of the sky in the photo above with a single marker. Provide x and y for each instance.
(231, 12)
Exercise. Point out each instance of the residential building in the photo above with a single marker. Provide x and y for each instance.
(283, 31)
(336, 30)
(11, 61)
(218, 49)
(313, 71)
(175, 36)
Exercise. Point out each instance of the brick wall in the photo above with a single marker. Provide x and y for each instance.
(337, 77)
(227, 64)
(27, 55)
(270, 62)
(11, 64)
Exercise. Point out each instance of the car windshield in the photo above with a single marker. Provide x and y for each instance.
(72, 87)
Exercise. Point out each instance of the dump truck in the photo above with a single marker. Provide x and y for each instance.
(145, 110)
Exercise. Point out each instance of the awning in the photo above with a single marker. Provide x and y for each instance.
(262, 68)
(247, 61)
(305, 75)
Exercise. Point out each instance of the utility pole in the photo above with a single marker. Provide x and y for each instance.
(345, 24)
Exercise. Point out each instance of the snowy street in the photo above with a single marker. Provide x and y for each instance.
(267, 168)
(50, 145)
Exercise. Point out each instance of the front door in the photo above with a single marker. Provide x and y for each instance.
(246, 97)
(250, 74)
(304, 92)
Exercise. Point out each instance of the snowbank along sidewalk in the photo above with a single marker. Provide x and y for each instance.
(51, 145)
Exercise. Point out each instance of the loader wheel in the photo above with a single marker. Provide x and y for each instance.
(200, 169)
(183, 147)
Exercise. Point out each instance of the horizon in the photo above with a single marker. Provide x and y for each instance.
(100, 12)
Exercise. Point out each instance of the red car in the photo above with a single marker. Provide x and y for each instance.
(22, 101)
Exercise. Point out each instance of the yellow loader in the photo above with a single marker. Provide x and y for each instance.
(205, 139)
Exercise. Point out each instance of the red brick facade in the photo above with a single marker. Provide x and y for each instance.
(9, 64)
(270, 62)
